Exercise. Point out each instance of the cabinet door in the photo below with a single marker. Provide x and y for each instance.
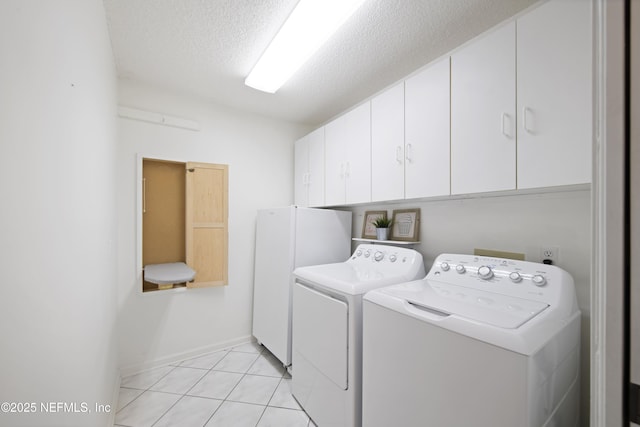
(427, 132)
(387, 145)
(358, 146)
(301, 171)
(315, 174)
(554, 95)
(483, 120)
(207, 230)
(335, 161)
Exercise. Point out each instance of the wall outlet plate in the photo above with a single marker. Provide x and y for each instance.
(551, 253)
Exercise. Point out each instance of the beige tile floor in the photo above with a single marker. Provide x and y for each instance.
(241, 386)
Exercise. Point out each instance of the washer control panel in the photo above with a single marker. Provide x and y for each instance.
(521, 279)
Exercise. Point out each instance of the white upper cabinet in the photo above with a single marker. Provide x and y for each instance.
(551, 128)
(359, 155)
(410, 137)
(335, 158)
(483, 116)
(427, 132)
(300, 171)
(315, 180)
(309, 169)
(555, 94)
(348, 157)
(387, 145)
(510, 110)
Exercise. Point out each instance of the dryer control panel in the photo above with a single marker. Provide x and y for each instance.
(385, 260)
(521, 279)
(366, 254)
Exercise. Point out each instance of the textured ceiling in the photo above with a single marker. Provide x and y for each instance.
(207, 47)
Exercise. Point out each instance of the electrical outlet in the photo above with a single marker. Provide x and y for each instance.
(551, 253)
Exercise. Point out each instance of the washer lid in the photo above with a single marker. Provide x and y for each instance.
(490, 308)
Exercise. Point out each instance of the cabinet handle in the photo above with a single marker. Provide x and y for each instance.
(342, 170)
(409, 153)
(308, 178)
(399, 154)
(144, 195)
(502, 120)
(525, 109)
(348, 170)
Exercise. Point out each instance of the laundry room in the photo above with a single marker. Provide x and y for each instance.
(185, 245)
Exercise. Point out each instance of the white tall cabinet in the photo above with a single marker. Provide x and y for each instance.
(483, 116)
(427, 132)
(348, 157)
(554, 94)
(309, 170)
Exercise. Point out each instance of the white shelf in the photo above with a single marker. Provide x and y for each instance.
(386, 242)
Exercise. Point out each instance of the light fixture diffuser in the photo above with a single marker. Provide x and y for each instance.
(310, 24)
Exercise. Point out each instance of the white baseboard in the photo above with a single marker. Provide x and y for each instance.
(136, 368)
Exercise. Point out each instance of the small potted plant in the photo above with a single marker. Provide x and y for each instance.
(382, 225)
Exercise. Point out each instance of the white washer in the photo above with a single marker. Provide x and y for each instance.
(327, 328)
(478, 342)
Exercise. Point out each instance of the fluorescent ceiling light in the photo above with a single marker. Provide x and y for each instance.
(310, 24)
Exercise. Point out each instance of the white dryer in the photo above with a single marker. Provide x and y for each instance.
(483, 342)
(327, 328)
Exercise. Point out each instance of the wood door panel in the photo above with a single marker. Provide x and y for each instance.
(207, 223)
(209, 260)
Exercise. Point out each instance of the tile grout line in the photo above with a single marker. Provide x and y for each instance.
(208, 371)
(271, 397)
(145, 390)
(165, 412)
(185, 393)
(260, 355)
(149, 389)
(241, 378)
(173, 367)
(231, 391)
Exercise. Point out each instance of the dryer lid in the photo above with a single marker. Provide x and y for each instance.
(348, 278)
(471, 304)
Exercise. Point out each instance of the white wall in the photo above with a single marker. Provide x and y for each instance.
(515, 223)
(169, 325)
(57, 220)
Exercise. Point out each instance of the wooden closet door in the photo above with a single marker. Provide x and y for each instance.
(207, 223)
